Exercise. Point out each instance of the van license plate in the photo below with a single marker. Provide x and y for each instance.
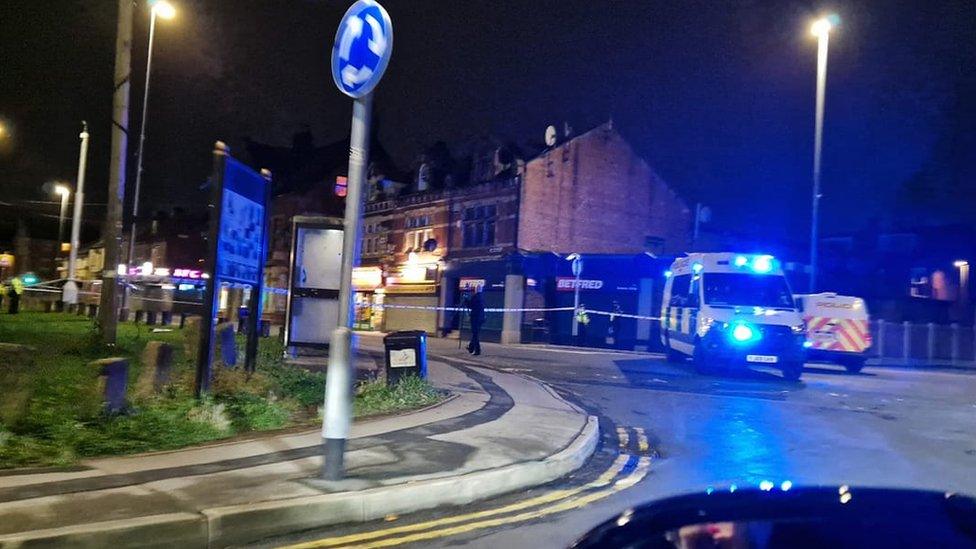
(765, 359)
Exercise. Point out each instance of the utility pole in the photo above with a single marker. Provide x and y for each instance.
(112, 231)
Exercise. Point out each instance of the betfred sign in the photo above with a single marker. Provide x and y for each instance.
(568, 284)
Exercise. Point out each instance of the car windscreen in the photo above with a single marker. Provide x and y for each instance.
(746, 289)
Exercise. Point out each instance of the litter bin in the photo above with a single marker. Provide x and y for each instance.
(406, 354)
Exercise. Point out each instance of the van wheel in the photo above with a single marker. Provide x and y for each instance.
(701, 360)
(854, 365)
(792, 371)
(673, 356)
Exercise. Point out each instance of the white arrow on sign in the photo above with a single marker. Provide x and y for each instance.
(354, 29)
(377, 44)
(352, 76)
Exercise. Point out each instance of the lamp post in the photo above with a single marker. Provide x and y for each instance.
(160, 8)
(821, 29)
(69, 293)
(65, 192)
(963, 267)
(577, 271)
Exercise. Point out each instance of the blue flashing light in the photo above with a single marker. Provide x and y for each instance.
(787, 484)
(667, 274)
(29, 279)
(762, 264)
(697, 267)
(741, 260)
(766, 485)
(742, 332)
(807, 344)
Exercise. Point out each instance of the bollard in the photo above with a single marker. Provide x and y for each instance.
(906, 340)
(167, 318)
(182, 320)
(931, 341)
(955, 342)
(265, 328)
(92, 310)
(150, 318)
(881, 338)
(228, 345)
(77, 309)
(157, 364)
(139, 315)
(115, 372)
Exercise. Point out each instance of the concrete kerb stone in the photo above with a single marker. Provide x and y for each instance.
(246, 523)
(169, 530)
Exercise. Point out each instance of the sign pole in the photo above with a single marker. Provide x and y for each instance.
(339, 376)
(212, 293)
(70, 289)
(257, 290)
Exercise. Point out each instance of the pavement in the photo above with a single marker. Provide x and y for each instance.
(501, 432)
(892, 427)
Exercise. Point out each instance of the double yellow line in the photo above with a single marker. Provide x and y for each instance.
(546, 504)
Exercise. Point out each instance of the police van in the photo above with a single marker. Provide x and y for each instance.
(725, 310)
(837, 328)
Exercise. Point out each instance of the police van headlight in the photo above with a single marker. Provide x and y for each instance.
(798, 329)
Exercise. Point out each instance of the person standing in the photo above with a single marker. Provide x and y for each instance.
(476, 305)
(16, 288)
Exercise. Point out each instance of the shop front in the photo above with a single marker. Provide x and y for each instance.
(411, 296)
(368, 298)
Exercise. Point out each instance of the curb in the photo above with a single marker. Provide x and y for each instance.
(246, 523)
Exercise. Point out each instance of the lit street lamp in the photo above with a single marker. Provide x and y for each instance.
(165, 10)
(160, 8)
(963, 267)
(65, 192)
(821, 29)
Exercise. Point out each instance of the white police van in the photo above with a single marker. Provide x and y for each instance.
(728, 309)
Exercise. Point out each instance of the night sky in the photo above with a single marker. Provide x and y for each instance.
(717, 96)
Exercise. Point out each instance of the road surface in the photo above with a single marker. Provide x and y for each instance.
(668, 431)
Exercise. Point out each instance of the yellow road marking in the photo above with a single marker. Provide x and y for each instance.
(642, 444)
(575, 503)
(604, 479)
(623, 436)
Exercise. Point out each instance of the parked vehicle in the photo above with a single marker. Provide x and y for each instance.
(837, 328)
(726, 310)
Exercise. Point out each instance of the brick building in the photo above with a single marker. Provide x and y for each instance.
(593, 194)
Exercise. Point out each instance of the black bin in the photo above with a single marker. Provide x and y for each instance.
(406, 354)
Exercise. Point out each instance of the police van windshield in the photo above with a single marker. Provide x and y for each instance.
(747, 289)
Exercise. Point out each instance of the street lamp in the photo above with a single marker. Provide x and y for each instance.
(577, 260)
(821, 29)
(159, 8)
(963, 267)
(65, 192)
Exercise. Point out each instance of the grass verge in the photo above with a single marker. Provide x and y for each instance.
(61, 419)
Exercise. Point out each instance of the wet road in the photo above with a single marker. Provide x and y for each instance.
(883, 427)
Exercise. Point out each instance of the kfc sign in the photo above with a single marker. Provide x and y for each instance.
(568, 284)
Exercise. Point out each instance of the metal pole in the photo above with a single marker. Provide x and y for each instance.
(694, 238)
(144, 122)
(817, 148)
(57, 249)
(576, 306)
(112, 232)
(339, 376)
(70, 290)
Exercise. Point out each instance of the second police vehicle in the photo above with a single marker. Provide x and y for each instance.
(726, 309)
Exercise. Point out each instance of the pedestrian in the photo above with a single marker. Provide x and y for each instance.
(613, 332)
(476, 306)
(16, 288)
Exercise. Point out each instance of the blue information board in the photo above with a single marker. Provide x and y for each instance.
(241, 240)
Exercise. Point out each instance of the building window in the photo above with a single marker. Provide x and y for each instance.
(479, 225)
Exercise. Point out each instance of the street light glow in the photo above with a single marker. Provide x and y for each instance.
(62, 190)
(960, 263)
(164, 9)
(821, 27)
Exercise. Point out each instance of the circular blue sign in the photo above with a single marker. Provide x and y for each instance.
(362, 48)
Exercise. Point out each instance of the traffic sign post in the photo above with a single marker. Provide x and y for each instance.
(360, 54)
(577, 271)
